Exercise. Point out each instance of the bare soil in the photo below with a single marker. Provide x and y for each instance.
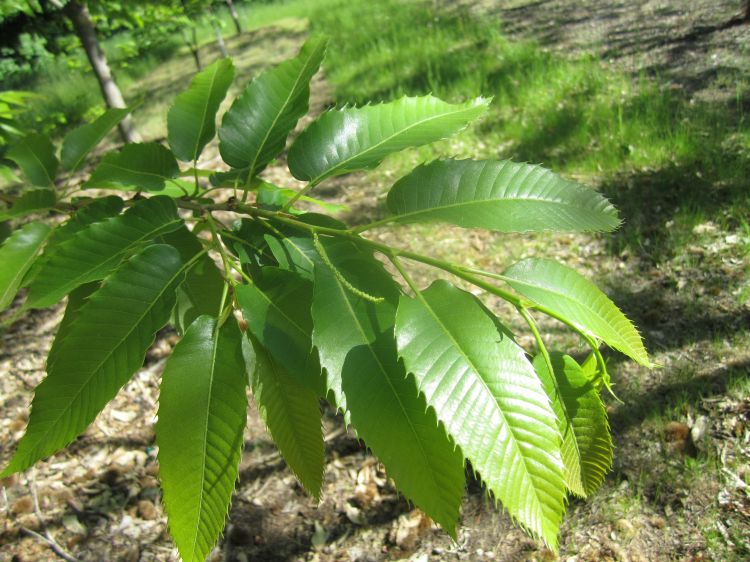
(680, 487)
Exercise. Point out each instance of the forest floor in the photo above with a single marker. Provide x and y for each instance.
(680, 486)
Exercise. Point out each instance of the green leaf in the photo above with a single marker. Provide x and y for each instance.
(354, 337)
(35, 155)
(254, 130)
(95, 211)
(30, 202)
(202, 415)
(350, 139)
(76, 299)
(582, 419)
(191, 121)
(17, 254)
(292, 413)
(279, 318)
(93, 252)
(146, 166)
(79, 142)
(567, 293)
(489, 398)
(102, 349)
(202, 289)
(498, 195)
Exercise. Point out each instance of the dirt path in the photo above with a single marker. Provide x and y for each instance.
(678, 491)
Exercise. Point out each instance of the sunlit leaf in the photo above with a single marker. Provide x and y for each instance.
(79, 142)
(35, 155)
(145, 166)
(569, 294)
(358, 138)
(498, 195)
(17, 254)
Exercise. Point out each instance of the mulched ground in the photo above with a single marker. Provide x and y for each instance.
(680, 486)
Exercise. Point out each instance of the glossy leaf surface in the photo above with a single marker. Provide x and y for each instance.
(35, 155)
(354, 337)
(358, 138)
(489, 398)
(191, 121)
(569, 294)
(255, 128)
(202, 415)
(145, 166)
(103, 348)
(498, 195)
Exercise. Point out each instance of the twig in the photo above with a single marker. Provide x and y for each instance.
(46, 537)
(56, 548)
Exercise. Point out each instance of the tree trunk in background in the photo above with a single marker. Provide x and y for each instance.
(219, 37)
(745, 11)
(235, 17)
(192, 41)
(79, 15)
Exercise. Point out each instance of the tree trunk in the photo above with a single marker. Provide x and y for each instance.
(219, 37)
(78, 14)
(745, 11)
(235, 17)
(192, 41)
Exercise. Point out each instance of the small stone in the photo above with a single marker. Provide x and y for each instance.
(147, 510)
(72, 524)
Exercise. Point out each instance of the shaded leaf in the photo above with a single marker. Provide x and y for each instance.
(572, 296)
(191, 121)
(93, 252)
(279, 317)
(202, 415)
(489, 398)
(76, 299)
(354, 337)
(30, 202)
(582, 419)
(95, 211)
(292, 413)
(35, 155)
(350, 139)
(145, 166)
(254, 130)
(80, 141)
(17, 254)
(101, 350)
(498, 195)
(202, 289)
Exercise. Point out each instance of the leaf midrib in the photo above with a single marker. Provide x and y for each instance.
(204, 437)
(579, 303)
(343, 163)
(50, 179)
(21, 271)
(114, 348)
(275, 120)
(77, 280)
(476, 371)
(483, 202)
(202, 127)
(360, 329)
